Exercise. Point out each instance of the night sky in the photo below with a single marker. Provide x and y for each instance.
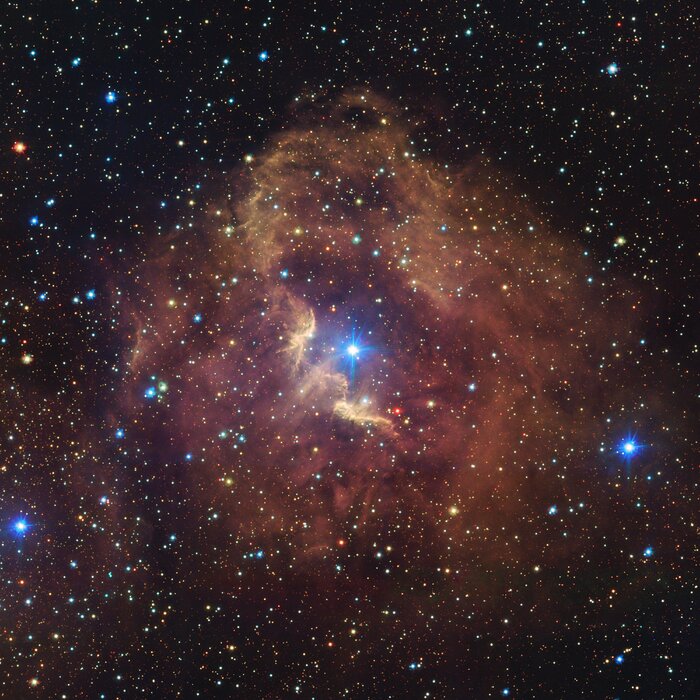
(348, 350)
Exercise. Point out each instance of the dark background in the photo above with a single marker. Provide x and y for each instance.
(522, 85)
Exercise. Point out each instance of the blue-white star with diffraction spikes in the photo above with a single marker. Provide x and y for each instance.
(20, 526)
(629, 448)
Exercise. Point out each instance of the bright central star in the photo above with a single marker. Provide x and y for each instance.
(353, 350)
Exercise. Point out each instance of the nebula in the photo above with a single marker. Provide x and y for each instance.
(365, 397)
(381, 339)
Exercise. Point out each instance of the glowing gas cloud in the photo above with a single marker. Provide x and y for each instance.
(476, 382)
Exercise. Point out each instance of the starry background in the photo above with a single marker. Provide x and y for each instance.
(173, 524)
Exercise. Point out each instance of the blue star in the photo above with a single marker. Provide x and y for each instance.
(619, 659)
(628, 448)
(612, 69)
(648, 552)
(20, 526)
(111, 97)
(150, 393)
(263, 56)
(119, 434)
(353, 350)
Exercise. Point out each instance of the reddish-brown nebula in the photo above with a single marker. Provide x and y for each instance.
(363, 424)
(364, 342)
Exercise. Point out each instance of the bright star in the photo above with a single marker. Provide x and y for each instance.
(353, 350)
(111, 97)
(20, 526)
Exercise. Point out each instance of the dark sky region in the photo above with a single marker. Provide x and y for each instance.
(347, 350)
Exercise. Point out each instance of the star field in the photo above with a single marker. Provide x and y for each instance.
(347, 350)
